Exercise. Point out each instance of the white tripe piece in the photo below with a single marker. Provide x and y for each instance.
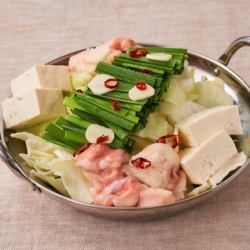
(136, 94)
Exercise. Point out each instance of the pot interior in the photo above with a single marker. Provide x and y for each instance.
(235, 87)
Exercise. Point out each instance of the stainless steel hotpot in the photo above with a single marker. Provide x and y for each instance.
(235, 86)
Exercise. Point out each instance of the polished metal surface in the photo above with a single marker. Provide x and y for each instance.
(235, 86)
(232, 48)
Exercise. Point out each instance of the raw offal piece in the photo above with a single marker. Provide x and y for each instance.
(87, 60)
(163, 172)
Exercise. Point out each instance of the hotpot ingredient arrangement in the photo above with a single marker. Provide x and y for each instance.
(124, 125)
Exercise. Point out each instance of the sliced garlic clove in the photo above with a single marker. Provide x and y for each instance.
(97, 84)
(136, 94)
(94, 131)
(159, 56)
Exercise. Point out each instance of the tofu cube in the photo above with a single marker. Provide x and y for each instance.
(33, 107)
(201, 162)
(201, 126)
(42, 76)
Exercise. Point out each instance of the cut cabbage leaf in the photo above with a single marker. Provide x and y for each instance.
(186, 79)
(76, 184)
(54, 182)
(174, 93)
(36, 143)
(210, 95)
(79, 79)
(55, 166)
(186, 84)
(156, 127)
(41, 166)
(219, 83)
(199, 190)
(176, 113)
(188, 71)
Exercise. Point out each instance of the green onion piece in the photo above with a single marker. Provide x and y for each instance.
(77, 121)
(126, 75)
(75, 137)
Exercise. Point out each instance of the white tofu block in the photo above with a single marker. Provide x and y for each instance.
(33, 107)
(201, 162)
(201, 126)
(42, 76)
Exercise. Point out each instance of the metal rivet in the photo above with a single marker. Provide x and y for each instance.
(217, 71)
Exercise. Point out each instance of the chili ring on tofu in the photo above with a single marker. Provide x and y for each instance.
(125, 126)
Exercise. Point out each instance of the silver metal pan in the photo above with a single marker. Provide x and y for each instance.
(235, 86)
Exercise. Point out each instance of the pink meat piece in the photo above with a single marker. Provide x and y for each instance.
(121, 43)
(102, 165)
(78, 63)
(163, 172)
(150, 197)
(179, 191)
(123, 192)
(87, 60)
(113, 52)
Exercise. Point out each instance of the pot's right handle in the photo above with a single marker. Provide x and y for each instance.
(232, 48)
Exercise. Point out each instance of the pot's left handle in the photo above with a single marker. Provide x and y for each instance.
(232, 48)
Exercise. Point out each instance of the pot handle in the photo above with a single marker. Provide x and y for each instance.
(232, 48)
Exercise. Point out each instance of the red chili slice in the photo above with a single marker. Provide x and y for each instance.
(102, 139)
(146, 71)
(79, 91)
(176, 140)
(141, 162)
(139, 52)
(81, 150)
(141, 85)
(111, 83)
(115, 105)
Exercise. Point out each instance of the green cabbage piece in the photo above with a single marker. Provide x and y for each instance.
(174, 94)
(53, 181)
(199, 190)
(55, 166)
(76, 184)
(156, 127)
(79, 79)
(176, 113)
(186, 79)
(210, 94)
